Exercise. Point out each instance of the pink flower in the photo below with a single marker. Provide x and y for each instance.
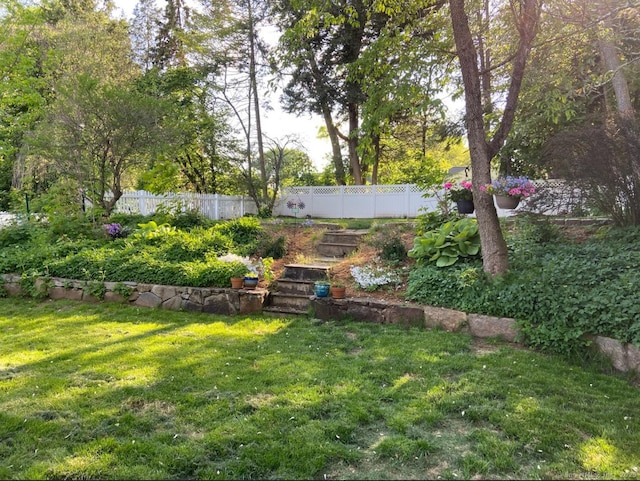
(448, 185)
(466, 184)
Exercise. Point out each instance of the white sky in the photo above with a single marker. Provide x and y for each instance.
(275, 123)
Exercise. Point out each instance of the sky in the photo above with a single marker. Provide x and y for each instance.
(275, 123)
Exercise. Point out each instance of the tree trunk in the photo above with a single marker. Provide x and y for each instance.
(352, 141)
(494, 247)
(336, 151)
(256, 102)
(612, 64)
(334, 137)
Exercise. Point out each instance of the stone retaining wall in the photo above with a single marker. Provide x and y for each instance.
(624, 357)
(193, 299)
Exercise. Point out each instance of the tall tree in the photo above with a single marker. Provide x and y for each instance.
(236, 58)
(95, 134)
(361, 65)
(483, 144)
(170, 48)
(144, 32)
(23, 89)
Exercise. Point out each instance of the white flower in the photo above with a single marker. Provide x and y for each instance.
(370, 278)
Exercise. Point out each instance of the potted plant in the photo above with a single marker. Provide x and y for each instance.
(321, 288)
(509, 190)
(461, 195)
(236, 275)
(250, 280)
(338, 290)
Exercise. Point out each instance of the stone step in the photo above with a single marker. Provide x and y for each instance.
(335, 250)
(284, 310)
(342, 237)
(304, 272)
(289, 301)
(295, 286)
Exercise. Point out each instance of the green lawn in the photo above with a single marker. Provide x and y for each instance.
(117, 392)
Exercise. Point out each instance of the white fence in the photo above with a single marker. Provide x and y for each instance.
(356, 201)
(336, 202)
(213, 206)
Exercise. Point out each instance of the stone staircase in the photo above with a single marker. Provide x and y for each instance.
(294, 288)
(293, 291)
(340, 243)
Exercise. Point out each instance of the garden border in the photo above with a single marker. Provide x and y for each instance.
(225, 301)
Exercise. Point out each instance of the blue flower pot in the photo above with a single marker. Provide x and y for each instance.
(250, 282)
(321, 289)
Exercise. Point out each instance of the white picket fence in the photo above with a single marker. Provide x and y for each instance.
(335, 202)
(212, 206)
(356, 201)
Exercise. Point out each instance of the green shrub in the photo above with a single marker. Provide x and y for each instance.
(268, 246)
(393, 250)
(190, 219)
(433, 220)
(188, 246)
(245, 234)
(444, 246)
(96, 289)
(556, 291)
(19, 233)
(73, 226)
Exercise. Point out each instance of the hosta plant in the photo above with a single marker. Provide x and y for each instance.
(447, 244)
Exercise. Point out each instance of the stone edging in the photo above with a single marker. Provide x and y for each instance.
(624, 356)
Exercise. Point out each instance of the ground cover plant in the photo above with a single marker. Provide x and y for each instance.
(115, 392)
(153, 250)
(557, 289)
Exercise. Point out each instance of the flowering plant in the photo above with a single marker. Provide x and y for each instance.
(510, 186)
(115, 230)
(461, 193)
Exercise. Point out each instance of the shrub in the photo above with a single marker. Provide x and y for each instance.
(268, 246)
(444, 246)
(244, 233)
(19, 233)
(190, 219)
(393, 250)
(557, 292)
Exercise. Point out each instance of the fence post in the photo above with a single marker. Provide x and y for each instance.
(141, 202)
(407, 188)
(374, 200)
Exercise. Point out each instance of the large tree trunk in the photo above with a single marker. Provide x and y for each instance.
(334, 135)
(256, 102)
(612, 64)
(494, 247)
(352, 142)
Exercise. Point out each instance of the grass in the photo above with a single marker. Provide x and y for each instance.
(116, 392)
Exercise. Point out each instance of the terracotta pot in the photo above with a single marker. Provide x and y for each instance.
(338, 292)
(237, 282)
(465, 206)
(507, 201)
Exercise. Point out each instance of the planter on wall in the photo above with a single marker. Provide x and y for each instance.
(338, 292)
(321, 289)
(465, 206)
(507, 201)
(250, 282)
(237, 282)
